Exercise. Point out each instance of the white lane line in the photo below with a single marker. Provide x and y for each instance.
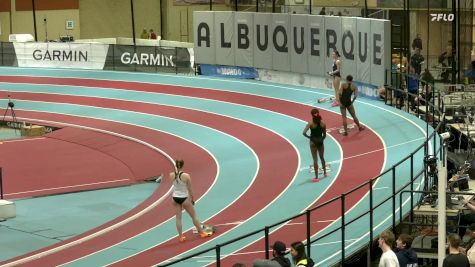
(69, 186)
(107, 229)
(22, 140)
(381, 188)
(290, 88)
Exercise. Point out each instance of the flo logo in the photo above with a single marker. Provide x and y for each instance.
(442, 17)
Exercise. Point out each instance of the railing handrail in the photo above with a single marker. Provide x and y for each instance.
(341, 198)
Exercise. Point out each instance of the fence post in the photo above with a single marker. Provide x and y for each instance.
(412, 189)
(307, 213)
(394, 197)
(266, 241)
(176, 58)
(370, 221)
(218, 256)
(343, 229)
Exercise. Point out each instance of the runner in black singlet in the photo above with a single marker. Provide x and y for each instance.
(317, 135)
(336, 74)
(346, 103)
(183, 199)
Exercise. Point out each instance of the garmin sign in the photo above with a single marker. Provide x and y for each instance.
(61, 55)
(147, 59)
(293, 43)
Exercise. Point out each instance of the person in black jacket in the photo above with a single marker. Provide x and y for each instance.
(278, 252)
(406, 256)
(417, 42)
(455, 258)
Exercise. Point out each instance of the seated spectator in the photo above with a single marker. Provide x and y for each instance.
(406, 256)
(468, 238)
(297, 250)
(153, 35)
(412, 85)
(455, 258)
(425, 95)
(144, 34)
(427, 77)
(279, 250)
(470, 248)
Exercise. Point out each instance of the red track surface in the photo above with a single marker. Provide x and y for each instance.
(72, 159)
(281, 163)
(163, 211)
(351, 174)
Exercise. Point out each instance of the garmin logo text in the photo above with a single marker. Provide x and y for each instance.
(60, 55)
(442, 17)
(147, 59)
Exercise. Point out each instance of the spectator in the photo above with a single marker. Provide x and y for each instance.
(426, 77)
(471, 246)
(144, 34)
(446, 59)
(406, 256)
(297, 250)
(470, 236)
(385, 242)
(416, 61)
(153, 35)
(417, 42)
(322, 12)
(412, 86)
(425, 95)
(455, 258)
(279, 250)
(265, 263)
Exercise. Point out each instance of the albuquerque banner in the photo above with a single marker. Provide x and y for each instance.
(294, 42)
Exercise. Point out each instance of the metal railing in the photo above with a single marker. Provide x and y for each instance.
(415, 174)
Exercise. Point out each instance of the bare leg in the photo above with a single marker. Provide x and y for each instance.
(178, 216)
(188, 206)
(336, 86)
(321, 150)
(313, 150)
(343, 117)
(351, 109)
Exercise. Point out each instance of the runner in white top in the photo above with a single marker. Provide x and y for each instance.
(183, 199)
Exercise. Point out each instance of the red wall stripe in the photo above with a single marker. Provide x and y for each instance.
(5, 5)
(25, 5)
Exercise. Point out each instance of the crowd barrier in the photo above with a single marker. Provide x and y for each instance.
(75, 55)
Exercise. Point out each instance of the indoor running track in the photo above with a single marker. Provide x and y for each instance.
(242, 143)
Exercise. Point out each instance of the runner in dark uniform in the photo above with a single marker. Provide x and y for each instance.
(346, 103)
(317, 135)
(336, 74)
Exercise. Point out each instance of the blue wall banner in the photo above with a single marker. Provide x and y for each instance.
(228, 71)
(367, 90)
